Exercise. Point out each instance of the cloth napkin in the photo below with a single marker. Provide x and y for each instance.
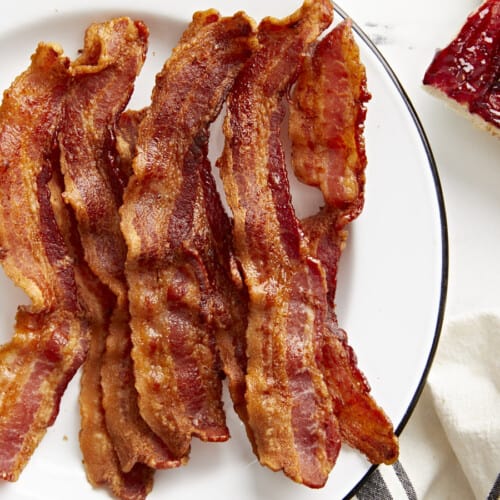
(450, 448)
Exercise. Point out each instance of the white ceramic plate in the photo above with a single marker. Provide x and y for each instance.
(392, 281)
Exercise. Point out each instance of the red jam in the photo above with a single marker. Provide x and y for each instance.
(468, 70)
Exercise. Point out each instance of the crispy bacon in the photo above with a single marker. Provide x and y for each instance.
(103, 79)
(231, 295)
(100, 458)
(133, 440)
(40, 252)
(174, 301)
(325, 148)
(363, 424)
(326, 128)
(289, 411)
(230, 337)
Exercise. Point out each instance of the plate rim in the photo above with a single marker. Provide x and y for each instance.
(443, 224)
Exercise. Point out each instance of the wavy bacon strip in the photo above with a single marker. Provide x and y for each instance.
(40, 252)
(363, 424)
(327, 113)
(289, 411)
(174, 301)
(326, 128)
(103, 79)
(230, 295)
(99, 454)
(230, 337)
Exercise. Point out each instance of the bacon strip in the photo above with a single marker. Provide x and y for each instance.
(326, 127)
(327, 111)
(103, 78)
(230, 295)
(40, 253)
(133, 440)
(173, 296)
(230, 336)
(289, 411)
(363, 424)
(100, 458)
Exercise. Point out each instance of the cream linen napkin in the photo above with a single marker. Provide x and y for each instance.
(450, 448)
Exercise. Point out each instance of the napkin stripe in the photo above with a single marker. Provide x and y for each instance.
(495, 491)
(374, 488)
(405, 481)
(393, 482)
(385, 482)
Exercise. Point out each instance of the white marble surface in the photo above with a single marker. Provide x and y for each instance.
(468, 160)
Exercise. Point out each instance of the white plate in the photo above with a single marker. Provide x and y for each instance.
(392, 281)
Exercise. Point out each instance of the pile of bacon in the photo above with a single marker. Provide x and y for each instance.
(111, 222)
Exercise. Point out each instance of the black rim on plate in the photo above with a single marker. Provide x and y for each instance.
(444, 231)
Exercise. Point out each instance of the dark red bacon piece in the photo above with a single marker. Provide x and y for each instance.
(40, 252)
(230, 336)
(174, 301)
(289, 412)
(103, 79)
(133, 440)
(327, 111)
(230, 297)
(467, 71)
(99, 454)
(363, 424)
(328, 108)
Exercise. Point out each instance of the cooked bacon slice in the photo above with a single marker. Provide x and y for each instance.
(328, 110)
(100, 459)
(230, 335)
(40, 253)
(103, 79)
(132, 438)
(467, 72)
(363, 424)
(229, 292)
(328, 107)
(173, 298)
(231, 343)
(289, 411)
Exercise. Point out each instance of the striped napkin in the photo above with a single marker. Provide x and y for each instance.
(450, 448)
